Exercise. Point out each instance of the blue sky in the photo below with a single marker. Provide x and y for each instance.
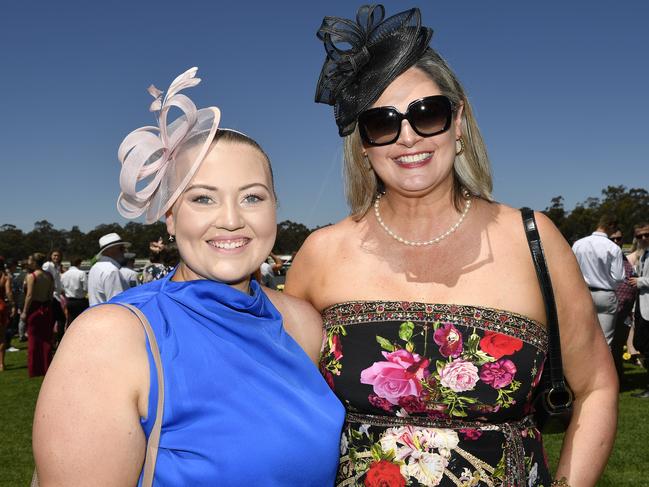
(559, 89)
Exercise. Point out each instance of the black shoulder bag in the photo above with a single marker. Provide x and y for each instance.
(553, 397)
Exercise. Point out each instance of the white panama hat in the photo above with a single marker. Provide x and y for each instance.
(111, 240)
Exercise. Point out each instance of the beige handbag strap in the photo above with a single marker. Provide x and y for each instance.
(154, 437)
(148, 468)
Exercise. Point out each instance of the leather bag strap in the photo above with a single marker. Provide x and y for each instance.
(554, 339)
(154, 437)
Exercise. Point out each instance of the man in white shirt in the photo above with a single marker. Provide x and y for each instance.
(128, 271)
(602, 265)
(269, 271)
(104, 278)
(53, 266)
(75, 287)
(641, 334)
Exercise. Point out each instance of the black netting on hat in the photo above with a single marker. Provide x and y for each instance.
(364, 57)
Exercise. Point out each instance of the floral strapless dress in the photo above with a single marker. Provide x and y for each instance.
(435, 394)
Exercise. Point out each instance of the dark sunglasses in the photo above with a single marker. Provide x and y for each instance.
(615, 239)
(427, 116)
(641, 236)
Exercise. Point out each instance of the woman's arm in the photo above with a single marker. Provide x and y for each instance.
(587, 364)
(87, 419)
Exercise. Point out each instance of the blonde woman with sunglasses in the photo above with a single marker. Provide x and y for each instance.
(435, 321)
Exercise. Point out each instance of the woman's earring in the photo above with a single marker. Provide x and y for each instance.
(172, 238)
(459, 151)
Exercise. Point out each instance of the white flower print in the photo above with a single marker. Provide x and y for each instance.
(427, 468)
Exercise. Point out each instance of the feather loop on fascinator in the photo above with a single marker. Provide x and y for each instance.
(163, 159)
(353, 77)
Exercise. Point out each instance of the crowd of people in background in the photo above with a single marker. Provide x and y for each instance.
(40, 297)
(619, 285)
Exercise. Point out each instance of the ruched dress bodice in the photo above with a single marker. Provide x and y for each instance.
(436, 394)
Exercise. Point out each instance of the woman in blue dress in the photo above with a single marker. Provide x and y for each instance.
(244, 403)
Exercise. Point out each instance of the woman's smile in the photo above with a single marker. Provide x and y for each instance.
(229, 245)
(413, 160)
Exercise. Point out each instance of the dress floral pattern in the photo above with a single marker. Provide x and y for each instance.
(435, 394)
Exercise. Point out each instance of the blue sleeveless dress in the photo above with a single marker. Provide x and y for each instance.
(244, 404)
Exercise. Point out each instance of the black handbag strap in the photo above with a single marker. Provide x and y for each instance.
(554, 339)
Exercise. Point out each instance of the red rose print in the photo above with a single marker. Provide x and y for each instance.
(336, 347)
(329, 378)
(412, 404)
(497, 345)
(384, 474)
(449, 340)
(379, 402)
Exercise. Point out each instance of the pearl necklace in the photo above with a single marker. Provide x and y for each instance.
(435, 240)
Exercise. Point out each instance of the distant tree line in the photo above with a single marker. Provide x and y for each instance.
(627, 206)
(14, 243)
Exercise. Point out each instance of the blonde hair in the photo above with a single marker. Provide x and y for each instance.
(471, 169)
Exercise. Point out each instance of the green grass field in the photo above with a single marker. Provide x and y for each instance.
(627, 467)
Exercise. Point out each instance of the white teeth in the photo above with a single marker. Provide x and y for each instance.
(227, 244)
(409, 159)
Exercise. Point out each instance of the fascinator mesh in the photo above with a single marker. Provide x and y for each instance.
(158, 162)
(364, 57)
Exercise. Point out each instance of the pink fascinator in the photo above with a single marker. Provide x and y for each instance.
(159, 162)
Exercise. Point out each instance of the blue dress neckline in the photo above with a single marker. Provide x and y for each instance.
(210, 298)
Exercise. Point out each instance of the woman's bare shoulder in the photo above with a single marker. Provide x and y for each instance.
(508, 223)
(107, 321)
(314, 259)
(105, 341)
(324, 237)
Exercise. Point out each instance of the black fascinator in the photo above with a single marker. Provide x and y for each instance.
(364, 57)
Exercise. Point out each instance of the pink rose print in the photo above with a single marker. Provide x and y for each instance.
(449, 340)
(459, 376)
(498, 374)
(400, 376)
(336, 347)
